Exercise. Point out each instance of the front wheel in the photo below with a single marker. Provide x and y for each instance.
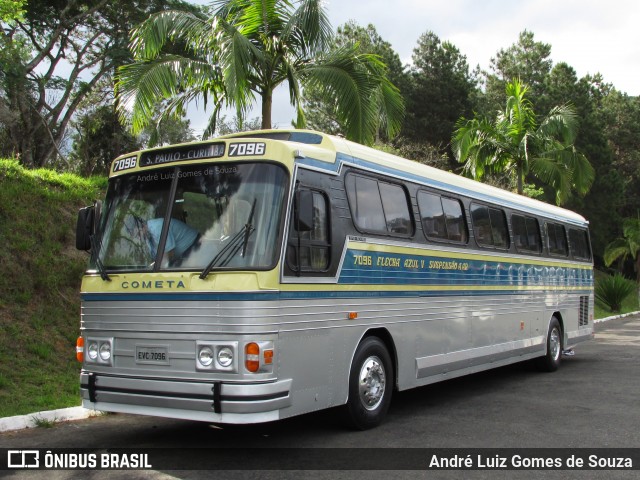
(551, 361)
(371, 382)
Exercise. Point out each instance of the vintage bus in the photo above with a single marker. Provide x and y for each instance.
(268, 274)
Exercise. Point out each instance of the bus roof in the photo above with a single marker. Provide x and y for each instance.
(329, 153)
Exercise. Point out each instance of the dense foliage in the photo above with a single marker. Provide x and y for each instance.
(65, 117)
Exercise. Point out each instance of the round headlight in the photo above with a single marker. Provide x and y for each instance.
(205, 356)
(92, 351)
(225, 356)
(105, 351)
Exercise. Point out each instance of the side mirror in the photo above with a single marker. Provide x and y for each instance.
(304, 211)
(85, 227)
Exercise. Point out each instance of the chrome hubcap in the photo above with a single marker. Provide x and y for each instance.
(372, 382)
(554, 344)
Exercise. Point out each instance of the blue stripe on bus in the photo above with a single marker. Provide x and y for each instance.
(304, 295)
(388, 268)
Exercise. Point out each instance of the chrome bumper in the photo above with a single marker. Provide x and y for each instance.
(216, 400)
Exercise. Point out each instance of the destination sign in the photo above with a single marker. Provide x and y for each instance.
(178, 154)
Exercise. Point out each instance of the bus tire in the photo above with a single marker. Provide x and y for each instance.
(371, 383)
(551, 361)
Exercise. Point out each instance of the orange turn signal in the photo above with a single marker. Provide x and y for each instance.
(252, 357)
(268, 357)
(80, 349)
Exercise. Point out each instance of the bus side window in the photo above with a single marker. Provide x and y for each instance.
(442, 218)
(490, 226)
(378, 206)
(557, 239)
(526, 234)
(579, 243)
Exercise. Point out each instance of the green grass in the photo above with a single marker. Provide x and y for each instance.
(40, 273)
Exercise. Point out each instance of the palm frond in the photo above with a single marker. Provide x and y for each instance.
(310, 24)
(150, 37)
(355, 82)
(142, 86)
(618, 248)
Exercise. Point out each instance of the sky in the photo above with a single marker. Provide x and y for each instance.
(592, 36)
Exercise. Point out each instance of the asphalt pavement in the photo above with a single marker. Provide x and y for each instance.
(591, 402)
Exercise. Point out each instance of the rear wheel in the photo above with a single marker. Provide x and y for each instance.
(551, 361)
(370, 384)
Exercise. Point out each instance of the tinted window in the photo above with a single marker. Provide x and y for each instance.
(526, 234)
(378, 206)
(489, 226)
(442, 218)
(557, 239)
(579, 242)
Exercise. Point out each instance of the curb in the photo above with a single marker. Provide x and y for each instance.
(614, 317)
(32, 420)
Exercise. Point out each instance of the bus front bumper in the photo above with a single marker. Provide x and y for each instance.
(204, 401)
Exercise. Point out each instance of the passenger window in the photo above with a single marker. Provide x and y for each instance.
(378, 207)
(442, 218)
(366, 204)
(315, 245)
(579, 242)
(396, 210)
(489, 227)
(526, 234)
(557, 239)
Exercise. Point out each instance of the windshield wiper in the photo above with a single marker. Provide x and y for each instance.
(239, 241)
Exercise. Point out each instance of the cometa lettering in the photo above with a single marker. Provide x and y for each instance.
(153, 285)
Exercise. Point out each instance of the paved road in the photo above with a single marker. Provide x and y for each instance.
(592, 401)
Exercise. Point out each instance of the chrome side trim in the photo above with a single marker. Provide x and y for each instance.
(449, 362)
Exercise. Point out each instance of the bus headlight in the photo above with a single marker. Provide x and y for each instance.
(205, 356)
(99, 351)
(105, 351)
(225, 357)
(217, 356)
(92, 351)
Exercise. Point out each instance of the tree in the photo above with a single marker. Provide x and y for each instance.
(248, 48)
(321, 111)
(527, 60)
(11, 10)
(98, 139)
(516, 143)
(50, 60)
(439, 92)
(625, 247)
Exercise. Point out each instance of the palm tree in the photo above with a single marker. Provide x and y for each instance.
(248, 48)
(516, 144)
(627, 246)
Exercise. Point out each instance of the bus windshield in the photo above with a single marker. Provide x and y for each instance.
(195, 217)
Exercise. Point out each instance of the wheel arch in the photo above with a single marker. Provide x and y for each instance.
(385, 336)
(558, 316)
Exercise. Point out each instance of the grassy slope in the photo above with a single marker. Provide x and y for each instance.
(40, 272)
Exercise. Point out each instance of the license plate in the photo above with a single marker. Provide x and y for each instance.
(153, 355)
